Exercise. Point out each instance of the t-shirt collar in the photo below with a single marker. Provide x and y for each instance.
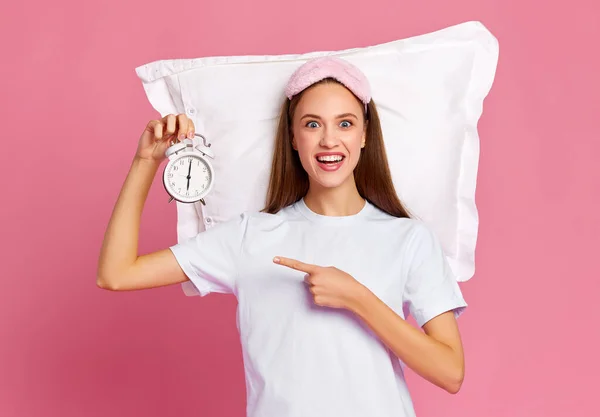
(331, 220)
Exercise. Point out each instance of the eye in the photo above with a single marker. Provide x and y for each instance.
(312, 124)
(346, 123)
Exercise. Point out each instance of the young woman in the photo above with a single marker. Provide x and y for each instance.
(325, 275)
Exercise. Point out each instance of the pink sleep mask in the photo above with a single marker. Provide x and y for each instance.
(318, 69)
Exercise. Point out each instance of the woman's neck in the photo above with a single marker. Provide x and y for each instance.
(339, 201)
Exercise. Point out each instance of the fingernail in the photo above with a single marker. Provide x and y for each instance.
(191, 135)
(276, 260)
(182, 136)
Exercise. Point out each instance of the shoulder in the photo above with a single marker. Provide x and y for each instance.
(407, 227)
(424, 245)
(421, 232)
(411, 233)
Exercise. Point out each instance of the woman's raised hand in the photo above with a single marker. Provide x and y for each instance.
(159, 134)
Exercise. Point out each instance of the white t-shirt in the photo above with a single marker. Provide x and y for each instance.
(304, 360)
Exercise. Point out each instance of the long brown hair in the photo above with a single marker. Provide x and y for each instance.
(289, 181)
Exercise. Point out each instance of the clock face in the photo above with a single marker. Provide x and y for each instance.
(188, 178)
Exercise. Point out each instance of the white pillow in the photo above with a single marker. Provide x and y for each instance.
(429, 90)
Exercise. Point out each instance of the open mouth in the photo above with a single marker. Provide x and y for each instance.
(330, 162)
(330, 159)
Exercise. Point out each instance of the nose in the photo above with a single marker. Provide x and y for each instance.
(329, 138)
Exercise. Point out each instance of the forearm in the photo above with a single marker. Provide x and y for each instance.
(120, 246)
(431, 359)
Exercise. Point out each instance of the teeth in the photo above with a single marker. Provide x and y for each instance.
(329, 158)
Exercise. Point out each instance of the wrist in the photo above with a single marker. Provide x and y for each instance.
(146, 162)
(361, 299)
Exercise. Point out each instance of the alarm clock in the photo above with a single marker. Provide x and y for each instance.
(189, 176)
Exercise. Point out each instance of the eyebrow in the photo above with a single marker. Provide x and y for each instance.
(339, 116)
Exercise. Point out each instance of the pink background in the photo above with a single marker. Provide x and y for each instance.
(73, 109)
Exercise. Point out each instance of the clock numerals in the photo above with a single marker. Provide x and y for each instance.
(187, 179)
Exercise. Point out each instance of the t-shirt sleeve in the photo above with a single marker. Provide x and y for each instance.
(431, 288)
(210, 259)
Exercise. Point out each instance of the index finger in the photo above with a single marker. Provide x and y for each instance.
(294, 264)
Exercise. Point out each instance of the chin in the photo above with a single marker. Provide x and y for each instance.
(328, 184)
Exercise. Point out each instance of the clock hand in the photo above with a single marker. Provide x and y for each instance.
(189, 176)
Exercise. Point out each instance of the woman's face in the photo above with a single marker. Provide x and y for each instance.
(328, 131)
